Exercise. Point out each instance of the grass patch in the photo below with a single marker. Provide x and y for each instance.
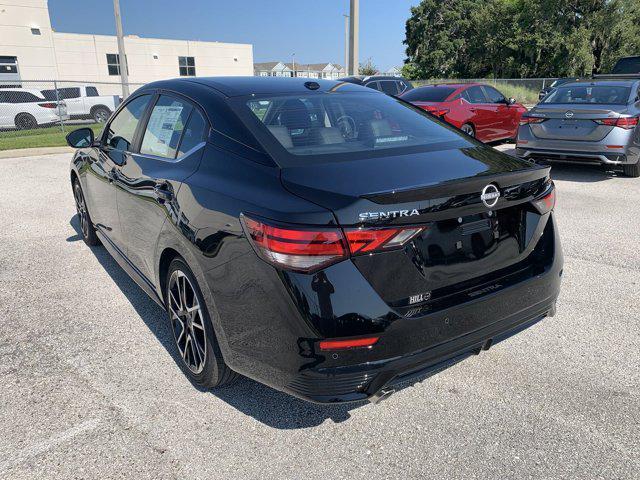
(41, 137)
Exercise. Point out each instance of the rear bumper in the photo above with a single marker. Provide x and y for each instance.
(271, 332)
(51, 118)
(612, 157)
(617, 148)
(369, 380)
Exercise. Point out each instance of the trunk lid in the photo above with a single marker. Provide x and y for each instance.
(464, 243)
(574, 122)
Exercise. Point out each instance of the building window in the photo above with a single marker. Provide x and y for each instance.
(36, 31)
(113, 63)
(187, 66)
(8, 64)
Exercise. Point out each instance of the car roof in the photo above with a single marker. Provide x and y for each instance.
(604, 83)
(455, 85)
(35, 91)
(239, 86)
(370, 78)
(448, 85)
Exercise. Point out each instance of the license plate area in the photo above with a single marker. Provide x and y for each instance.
(473, 238)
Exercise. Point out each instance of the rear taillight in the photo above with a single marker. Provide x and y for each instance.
(547, 201)
(437, 111)
(529, 120)
(628, 123)
(368, 240)
(307, 249)
(299, 249)
(48, 105)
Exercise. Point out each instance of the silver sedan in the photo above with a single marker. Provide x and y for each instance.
(588, 122)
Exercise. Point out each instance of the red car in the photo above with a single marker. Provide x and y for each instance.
(477, 109)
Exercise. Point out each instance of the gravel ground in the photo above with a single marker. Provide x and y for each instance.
(89, 387)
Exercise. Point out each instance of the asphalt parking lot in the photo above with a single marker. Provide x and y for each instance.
(90, 387)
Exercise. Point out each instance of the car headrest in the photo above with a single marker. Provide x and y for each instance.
(295, 115)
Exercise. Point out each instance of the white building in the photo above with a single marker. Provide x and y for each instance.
(310, 70)
(272, 69)
(394, 72)
(31, 50)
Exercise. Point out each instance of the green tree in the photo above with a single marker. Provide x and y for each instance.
(519, 38)
(367, 68)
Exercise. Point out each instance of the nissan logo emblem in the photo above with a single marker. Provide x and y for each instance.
(490, 195)
(568, 114)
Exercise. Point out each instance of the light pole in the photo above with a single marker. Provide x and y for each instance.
(354, 27)
(122, 59)
(346, 43)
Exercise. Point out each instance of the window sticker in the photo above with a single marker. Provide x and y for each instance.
(160, 129)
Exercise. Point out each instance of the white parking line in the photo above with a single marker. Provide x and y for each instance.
(52, 442)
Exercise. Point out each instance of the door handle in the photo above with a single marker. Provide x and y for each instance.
(162, 192)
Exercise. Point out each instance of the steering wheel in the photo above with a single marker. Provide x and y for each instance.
(348, 127)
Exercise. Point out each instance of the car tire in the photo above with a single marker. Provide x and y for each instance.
(100, 114)
(86, 225)
(198, 350)
(632, 170)
(468, 129)
(25, 121)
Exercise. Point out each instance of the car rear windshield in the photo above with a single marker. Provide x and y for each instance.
(593, 94)
(428, 94)
(627, 65)
(334, 124)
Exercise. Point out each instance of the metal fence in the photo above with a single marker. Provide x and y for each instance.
(39, 113)
(524, 90)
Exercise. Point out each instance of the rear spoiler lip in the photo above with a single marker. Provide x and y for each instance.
(462, 186)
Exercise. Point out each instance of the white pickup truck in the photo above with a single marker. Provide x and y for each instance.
(84, 101)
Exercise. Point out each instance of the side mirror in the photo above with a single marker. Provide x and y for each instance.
(80, 138)
(511, 101)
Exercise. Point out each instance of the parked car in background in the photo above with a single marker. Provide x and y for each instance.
(27, 108)
(627, 65)
(478, 110)
(330, 263)
(390, 85)
(592, 122)
(84, 102)
(553, 85)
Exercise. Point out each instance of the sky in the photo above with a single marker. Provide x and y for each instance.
(312, 29)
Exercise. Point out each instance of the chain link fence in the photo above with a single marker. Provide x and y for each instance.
(39, 113)
(524, 90)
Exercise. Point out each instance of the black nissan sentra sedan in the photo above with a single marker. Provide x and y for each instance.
(320, 237)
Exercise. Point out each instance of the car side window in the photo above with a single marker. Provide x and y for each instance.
(22, 97)
(194, 133)
(390, 87)
(402, 86)
(66, 93)
(374, 85)
(122, 128)
(474, 95)
(493, 95)
(92, 92)
(164, 129)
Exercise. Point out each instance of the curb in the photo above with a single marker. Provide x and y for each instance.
(34, 152)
